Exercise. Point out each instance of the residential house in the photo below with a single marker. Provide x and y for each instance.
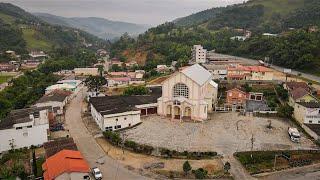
(53, 147)
(295, 85)
(254, 73)
(118, 81)
(66, 164)
(57, 99)
(188, 94)
(65, 87)
(307, 112)
(219, 72)
(38, 55)
(300, 95)
(162, 68)
(236, 96)
(86, 71)
(30, 64)
(6, 67)
(24, 128)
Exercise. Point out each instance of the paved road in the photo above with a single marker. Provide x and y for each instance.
(301, 173)
(278, 68)
(89, 147)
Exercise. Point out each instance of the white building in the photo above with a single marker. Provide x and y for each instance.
(86, 71)
(188, 94)
(24, 128)
(56, 99)
(118, 112)
(307, 112)
(66, 85)
(199, 55)
(219, 72)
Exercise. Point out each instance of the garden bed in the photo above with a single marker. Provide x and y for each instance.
(257, 162)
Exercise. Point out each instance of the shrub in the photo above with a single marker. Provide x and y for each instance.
(113, 137)
(186, 167)
(200, 173)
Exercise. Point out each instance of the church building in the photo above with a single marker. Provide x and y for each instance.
(188, 94)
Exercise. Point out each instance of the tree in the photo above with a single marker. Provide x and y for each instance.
(101, 70)
(227, 167)
(200, 173)
(135, 90)
(34, 163)
(285, 111)
(186, 167)
(94, 83)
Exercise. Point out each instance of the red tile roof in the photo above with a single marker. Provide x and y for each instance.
(249, 68)
(298, 93)
(65, 161)
(294, 85)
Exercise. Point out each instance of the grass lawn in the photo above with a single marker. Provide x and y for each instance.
(35, 40)
(263, 161)
(4, 78)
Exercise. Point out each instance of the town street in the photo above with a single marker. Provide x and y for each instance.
(87, 145)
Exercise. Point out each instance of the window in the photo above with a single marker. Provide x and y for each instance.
(310, 121)
(29, 126)
(180, 90)
(109, 128)
(18, 128)
(117, 127)
(125, 118)
(117, 119)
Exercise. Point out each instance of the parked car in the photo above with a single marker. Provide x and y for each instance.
(294, 134)
(96, 173)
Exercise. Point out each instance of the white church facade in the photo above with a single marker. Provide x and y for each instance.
(188, 94)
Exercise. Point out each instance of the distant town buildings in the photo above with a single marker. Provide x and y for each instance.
(86, 71)
(38, 55)
(199, 55)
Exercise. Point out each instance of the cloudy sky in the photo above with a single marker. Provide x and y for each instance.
(151, 12)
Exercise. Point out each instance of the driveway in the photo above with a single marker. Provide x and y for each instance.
(90, 149)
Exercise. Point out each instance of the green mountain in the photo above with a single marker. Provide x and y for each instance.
(21, 31)
(258, 15)
(296, 47)
(103, 28)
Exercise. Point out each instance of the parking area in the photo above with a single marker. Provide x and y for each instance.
(224, 133)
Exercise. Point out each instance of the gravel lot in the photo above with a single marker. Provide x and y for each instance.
(219, 134)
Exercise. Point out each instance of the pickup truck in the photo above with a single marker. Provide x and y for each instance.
(294, 134)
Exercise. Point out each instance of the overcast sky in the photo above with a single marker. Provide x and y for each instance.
(151, 12)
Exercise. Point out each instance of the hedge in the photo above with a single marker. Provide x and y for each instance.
(115, 139)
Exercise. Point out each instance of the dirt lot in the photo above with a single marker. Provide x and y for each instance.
(136, 162)
(225, 133)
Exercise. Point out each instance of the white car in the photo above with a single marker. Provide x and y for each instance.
(294, 134)
(96, 173)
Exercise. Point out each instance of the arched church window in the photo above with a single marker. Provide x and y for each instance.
(180, 90)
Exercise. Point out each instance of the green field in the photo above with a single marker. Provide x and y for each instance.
(4, 78)
(35, 41)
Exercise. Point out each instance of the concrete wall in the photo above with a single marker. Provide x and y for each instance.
(71, 176)
(306, 115)
(86, 71)
(53, 104)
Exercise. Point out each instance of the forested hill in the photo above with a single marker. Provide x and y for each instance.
(21, 31)
(297, 45)
(258, 15)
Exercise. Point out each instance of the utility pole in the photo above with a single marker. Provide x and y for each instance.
(252, 141)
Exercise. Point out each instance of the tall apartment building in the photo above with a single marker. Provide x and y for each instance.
(199, 55)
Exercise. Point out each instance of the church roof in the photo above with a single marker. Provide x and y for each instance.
(197, 73)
